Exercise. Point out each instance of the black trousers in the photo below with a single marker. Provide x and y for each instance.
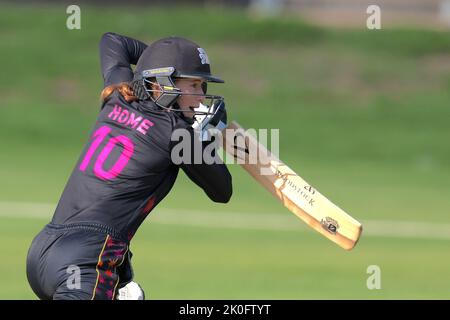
(78, 261)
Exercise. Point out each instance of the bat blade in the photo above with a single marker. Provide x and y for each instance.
(295, 193)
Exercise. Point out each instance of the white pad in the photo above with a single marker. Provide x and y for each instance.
(132, 291)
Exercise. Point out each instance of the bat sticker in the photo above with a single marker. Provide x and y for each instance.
(330, 225)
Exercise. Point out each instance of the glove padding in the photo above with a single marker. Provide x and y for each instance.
(217, 119)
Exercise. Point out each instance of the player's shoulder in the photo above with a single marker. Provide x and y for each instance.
(130, 111)
(153, 125)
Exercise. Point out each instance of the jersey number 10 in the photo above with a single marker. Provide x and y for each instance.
(127, 151)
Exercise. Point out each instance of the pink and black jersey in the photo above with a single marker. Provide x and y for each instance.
(125, 168)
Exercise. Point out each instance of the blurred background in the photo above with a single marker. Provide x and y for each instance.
(363, 116)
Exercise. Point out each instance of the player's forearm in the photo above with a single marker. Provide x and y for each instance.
(214, 179)
(117, 54)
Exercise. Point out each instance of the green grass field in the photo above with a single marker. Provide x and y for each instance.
(363, 116)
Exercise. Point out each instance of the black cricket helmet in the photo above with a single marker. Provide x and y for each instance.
(166, 60)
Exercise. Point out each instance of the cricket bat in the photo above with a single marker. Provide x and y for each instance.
(295, 193)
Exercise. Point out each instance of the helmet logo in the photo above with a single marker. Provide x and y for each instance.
(203, 56)
(167, 71)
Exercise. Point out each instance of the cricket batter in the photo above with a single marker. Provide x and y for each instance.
(126, 167)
